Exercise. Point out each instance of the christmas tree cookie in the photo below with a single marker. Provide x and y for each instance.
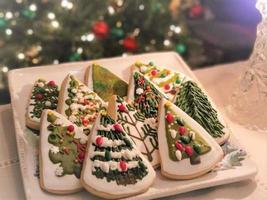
(141, 129)
(78, 103)
(186, 149)
(104, 82)
(192, 100)
(167, 80)
(113, 167)
(44, 95)
(144, 95)
(62, 151)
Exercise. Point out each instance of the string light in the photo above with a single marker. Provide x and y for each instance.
(19, 1)
(1, 14)
(153, 41)
(55, 61)
(88, 37)
(21, 56)
(141, 7)
(33, 7)
(118, 24)
(55, 23)
(51, 15)
(119, 3)
(176, 29)
(124, 55)
(29, 31)
(5, 69)
(80, 50)
(66, 4)
(111, 10)
(9, 31)
(9, 15)
(166, 42)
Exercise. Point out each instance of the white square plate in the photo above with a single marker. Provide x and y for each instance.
(20, 84)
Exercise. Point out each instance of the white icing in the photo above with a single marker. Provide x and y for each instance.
(48, 103)
(143, 69)
(159, 80)
(192, 134)
(83, 140)
(72, 118)
(59, 171)
(139, 91)
(109, 127)
(178, 154)
(110, 143)
(125, 153)
(152, 122)
(73, 90)
(40, 84)
(54, 149)
(173, 133)
(107, 165)
(79, 95)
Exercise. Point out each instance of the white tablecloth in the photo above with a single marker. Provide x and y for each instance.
(219, 82)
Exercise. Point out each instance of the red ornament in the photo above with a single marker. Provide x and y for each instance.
(39, 96)
(52, 83)
(182, 130)
(169, 118)
(99, 141)
(81, 155)
(189, 150)
(70, 128)
(167, 87)
(100, 29)
(129, 44)
(117, 128)
(154, 72)
(123, 165)
(122, 108)
(179, 146)
(196, 11)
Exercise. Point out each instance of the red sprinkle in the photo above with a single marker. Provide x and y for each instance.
(39, 96)
(123, 165)
(169, 118)
(167, 87)
(182, 130)
(189, 150)
(70, 128)
(118, 127)
(154, 72)
(179, 146)
(52, 83)
(122, 108)
(99, 141)
(85, 122)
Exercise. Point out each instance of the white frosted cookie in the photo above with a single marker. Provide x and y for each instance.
(186, 149)
(103, 82)
(189, 96)
(141, 129)
(44, 95)
(113, 167)
(78, 103)
(62, 151)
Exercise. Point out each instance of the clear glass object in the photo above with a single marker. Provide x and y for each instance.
(249, 101)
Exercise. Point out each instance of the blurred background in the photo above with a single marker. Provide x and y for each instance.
(203, 32)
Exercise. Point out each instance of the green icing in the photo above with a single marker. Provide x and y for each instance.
(89, 99)
(106, 84)
(192, 100)
(147, 101)
(41, 95)
(198, 144)
(71, 151)
(128, 177)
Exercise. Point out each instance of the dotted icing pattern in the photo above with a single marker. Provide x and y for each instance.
(66, 149)
(83, 105)
(44, 96)
(183, 141)
(114, 158)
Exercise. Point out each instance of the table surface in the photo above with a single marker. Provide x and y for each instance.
(219, 82)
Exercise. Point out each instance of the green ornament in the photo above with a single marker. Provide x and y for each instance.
(180, 48)
(117, 32)
(75, 56)
(28, 13)
(2, 22)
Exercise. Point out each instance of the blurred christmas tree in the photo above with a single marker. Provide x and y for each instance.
(36, 32)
